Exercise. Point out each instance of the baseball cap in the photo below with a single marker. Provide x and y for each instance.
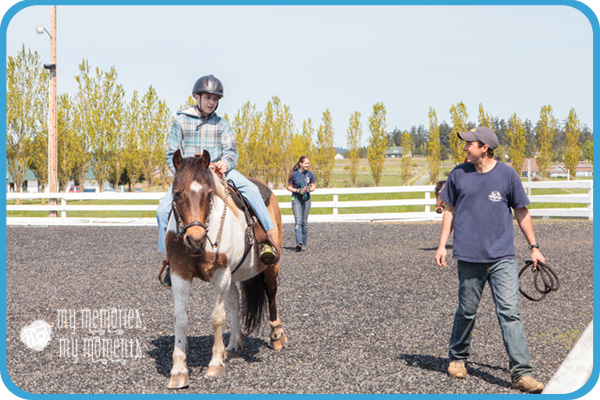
(481, 133)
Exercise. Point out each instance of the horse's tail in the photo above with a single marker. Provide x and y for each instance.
(253, 301)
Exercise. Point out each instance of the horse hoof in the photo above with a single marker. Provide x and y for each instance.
(178, 381)
(231, 354)
(280, 343)
(218, 371)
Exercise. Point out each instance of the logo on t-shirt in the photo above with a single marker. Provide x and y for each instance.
(495, 196)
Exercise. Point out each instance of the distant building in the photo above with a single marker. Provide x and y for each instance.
(393, 152)
(338, 156)
(30, 185)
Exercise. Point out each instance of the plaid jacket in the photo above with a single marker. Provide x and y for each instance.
(192, 134)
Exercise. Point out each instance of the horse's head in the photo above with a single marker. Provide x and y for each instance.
(193, 188)
(440, 205)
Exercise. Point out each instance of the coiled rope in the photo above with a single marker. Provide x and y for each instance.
(549, 278)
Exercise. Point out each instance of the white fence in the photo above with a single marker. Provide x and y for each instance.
(66, 200)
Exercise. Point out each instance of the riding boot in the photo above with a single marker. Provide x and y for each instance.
(166, 280)
(269, 251)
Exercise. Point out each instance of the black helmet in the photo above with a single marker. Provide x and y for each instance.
(208, 84)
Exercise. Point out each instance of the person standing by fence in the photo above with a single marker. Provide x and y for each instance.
(479, 195)
(301, 182)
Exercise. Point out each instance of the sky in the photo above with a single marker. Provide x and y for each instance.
(340, 58)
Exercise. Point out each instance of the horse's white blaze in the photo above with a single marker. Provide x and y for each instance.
(195, 187)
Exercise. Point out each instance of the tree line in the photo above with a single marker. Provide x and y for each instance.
(123, 141)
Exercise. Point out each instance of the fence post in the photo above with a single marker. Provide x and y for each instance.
(335, 205)
(427, 197)
(591, 201)
(63, 203)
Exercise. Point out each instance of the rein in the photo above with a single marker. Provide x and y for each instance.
(549, 277)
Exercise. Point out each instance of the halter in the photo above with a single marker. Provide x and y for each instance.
(180, 229)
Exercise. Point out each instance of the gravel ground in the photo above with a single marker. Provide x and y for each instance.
(365, 310)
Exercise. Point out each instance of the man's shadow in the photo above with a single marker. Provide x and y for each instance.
(199, 351)
(438, 364)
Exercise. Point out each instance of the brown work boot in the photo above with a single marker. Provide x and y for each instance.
(457, 369)
(528, 385)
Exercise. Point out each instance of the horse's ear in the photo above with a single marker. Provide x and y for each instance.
(205, 158)
(177, 160)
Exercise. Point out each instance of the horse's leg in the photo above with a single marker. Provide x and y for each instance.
(179, 372)
(278, 336)
(234, 348)
(221, 282)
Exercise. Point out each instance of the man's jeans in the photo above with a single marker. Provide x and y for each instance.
(300, 209)
(503, 278)
(244, 185)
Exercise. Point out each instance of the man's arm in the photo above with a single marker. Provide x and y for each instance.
(524, 219)
(174, 143)
(447, 225)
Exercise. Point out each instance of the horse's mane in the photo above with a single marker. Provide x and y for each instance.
(439, 186)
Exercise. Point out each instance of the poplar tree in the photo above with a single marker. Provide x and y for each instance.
(546, 129)
(246, 125)
(26, 112)
(353, 138)
(459, 117)
(133, 157)
(406, 156)
(325, 150)
(485, 119)
(277, 129)
(516, 137)
(302, 143)
(100, 105)
(433, 154)
(572, 132)
(65, 140)
(378, 142)
(158, 119)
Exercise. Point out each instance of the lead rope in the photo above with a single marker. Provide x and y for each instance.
(549, 278)
(216, 243)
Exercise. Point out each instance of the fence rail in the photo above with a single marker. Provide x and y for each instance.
(64, 205)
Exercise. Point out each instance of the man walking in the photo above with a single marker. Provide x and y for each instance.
(479, 196)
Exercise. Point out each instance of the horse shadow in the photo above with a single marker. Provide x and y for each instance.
(438, 364)
(448, 246)
(199, 351)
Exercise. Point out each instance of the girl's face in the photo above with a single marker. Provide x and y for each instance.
(207, 102)
(305, 164)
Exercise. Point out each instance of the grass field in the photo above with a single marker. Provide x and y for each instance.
(340, 179)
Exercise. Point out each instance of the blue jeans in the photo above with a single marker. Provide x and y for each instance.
(300, 209)
(244, 185)
(503, 278)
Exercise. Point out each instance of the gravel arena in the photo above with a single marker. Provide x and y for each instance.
(365, 308)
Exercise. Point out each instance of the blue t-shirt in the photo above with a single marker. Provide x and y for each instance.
(300, 180)
(483, 221)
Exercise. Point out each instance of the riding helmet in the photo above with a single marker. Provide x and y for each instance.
(208, 84)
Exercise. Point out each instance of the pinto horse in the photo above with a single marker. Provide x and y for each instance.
(209, 238)
(440, 205)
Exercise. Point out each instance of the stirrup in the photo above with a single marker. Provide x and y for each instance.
(268, 254)
(166, 279)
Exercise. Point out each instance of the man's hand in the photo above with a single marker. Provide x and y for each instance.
(440, 256)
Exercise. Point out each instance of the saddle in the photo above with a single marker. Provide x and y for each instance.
(254, 225)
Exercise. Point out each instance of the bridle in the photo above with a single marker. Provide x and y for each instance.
(180, 229)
